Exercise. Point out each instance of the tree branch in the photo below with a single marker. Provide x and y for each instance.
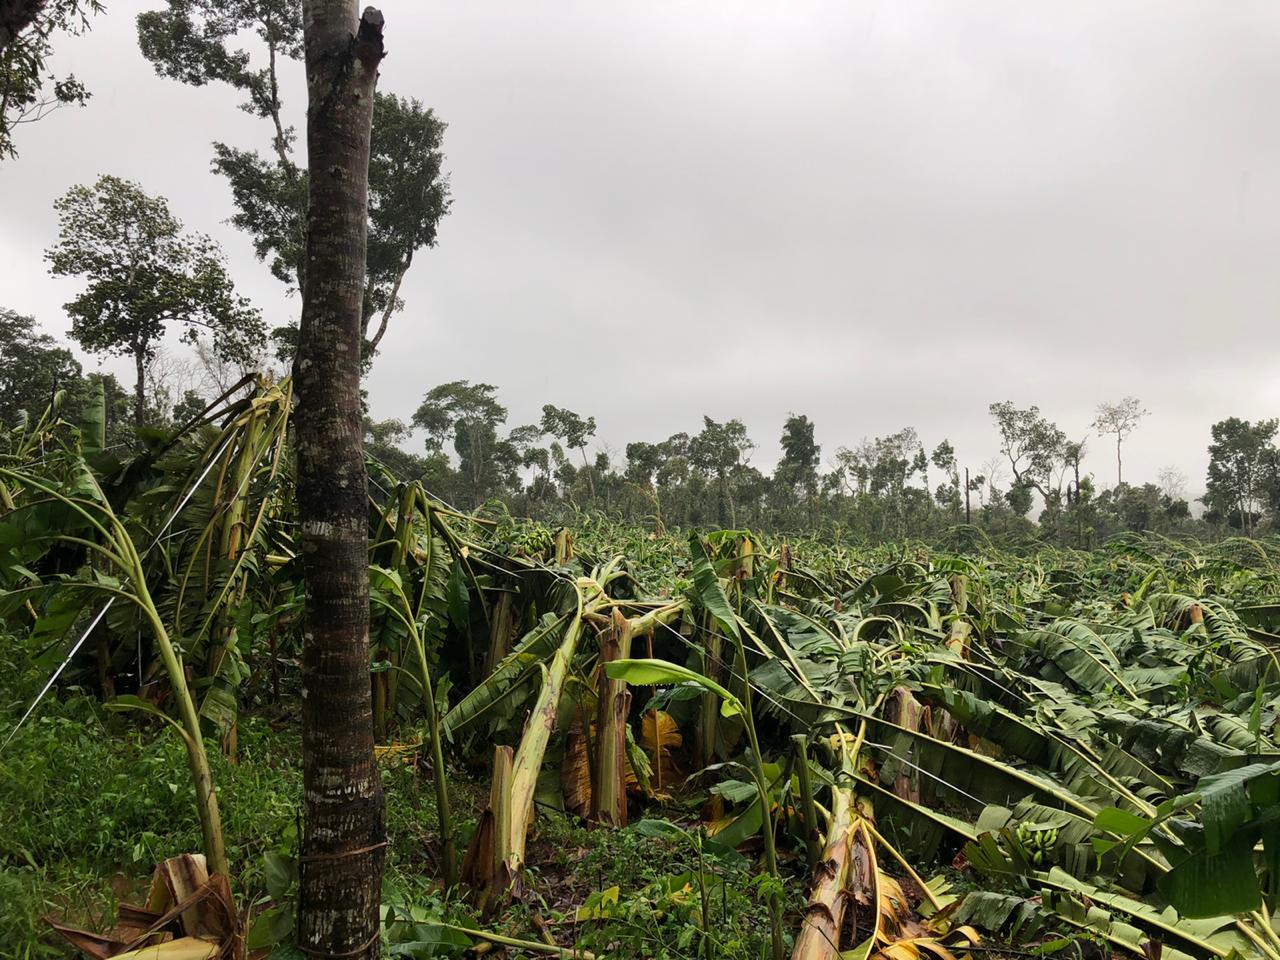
(390, 307)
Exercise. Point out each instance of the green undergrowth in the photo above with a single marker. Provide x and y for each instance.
(90, 801)
(89, 804)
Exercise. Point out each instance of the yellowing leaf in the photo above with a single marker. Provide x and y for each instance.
(597, 905)
(184, 948)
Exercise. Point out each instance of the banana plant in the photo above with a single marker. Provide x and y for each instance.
(115, 572)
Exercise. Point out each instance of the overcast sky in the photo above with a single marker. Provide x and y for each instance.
(878, 214)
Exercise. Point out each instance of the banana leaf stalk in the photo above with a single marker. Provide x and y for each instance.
(819, 938)
(500, 631)
(264, 426)
(402, 610)
(766, 815)
(709, 718)
(118, 549)
(385, 681)
(201, 776)
(538, 729)
(509, 811)
(808, 809)
(485, 867)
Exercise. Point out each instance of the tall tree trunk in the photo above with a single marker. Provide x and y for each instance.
(586, 467)
(1119, 469)
(344, 837)
(140, 389)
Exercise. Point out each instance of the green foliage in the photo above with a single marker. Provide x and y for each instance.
(469, 415)
(639, 891)
(143, 273)
(33, 368)
(1034, 446)
(1094, 729)
(1244, 472)
(29, 90)
(200, 42)
(90, 802)
(566, 425)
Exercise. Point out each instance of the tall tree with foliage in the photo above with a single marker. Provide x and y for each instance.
(798, 467)
(144, 273)
(1035, 448)
(719, 451)
(879, 472)
(563, 424)
(1119, 419)
(198, 42)
(1243, 464)
(948, 495)
(29, 91)
(344, 836)
(469, 415)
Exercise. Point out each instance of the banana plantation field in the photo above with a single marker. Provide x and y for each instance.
(618, 741)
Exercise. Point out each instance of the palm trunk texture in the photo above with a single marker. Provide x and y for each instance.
(344, 836)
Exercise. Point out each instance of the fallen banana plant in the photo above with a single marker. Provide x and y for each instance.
(495, 861)
(189, 915)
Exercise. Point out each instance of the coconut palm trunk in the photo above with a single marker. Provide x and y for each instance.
(344, 836)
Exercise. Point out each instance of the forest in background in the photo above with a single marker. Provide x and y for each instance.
(1041, 487)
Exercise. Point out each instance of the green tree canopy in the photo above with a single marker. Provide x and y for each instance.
(1243, 467)
(199, 42)
(801, 454)
(564, 424)
(470, 415)
(29, 90)
(143, 273)
(33, 367)
(1034, 446)
(718, 451)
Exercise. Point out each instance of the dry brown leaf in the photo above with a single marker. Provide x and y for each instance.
(183, 899)
(660, 737)
(575, 772)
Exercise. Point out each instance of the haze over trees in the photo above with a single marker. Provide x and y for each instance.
(885, 487)
(882, 488)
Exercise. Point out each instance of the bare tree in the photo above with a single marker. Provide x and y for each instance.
(993, 471)
(218, 373)
(1121, 419)
(170, 377)
(344, 836)
(1173, 483)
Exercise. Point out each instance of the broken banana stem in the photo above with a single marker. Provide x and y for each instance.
(819, 938)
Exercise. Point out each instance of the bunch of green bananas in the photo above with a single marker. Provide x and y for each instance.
(1037, 843)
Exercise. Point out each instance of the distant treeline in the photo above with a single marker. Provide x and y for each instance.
(884, 488)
